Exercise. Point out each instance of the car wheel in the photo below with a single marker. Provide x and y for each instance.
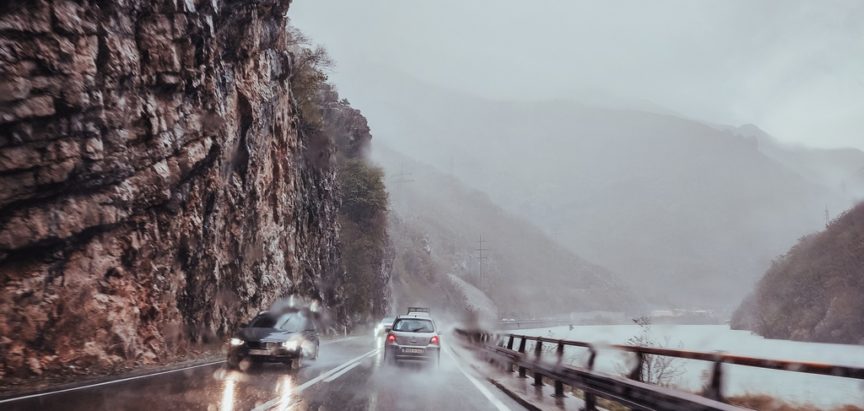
(233, 362)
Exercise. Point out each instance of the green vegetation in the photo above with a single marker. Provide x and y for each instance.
(813, 293)
(365, 244)
(337, 136)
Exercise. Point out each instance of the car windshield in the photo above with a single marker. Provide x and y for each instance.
(294, 322)
(263, 321)
(414, 325)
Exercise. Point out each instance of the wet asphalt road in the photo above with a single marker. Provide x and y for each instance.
(349, 375)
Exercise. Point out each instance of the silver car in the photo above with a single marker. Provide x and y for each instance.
(413, 337)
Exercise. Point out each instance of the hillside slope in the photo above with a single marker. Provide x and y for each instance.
(813, 293)
(840, 169)
(524, 271)
(685, 211)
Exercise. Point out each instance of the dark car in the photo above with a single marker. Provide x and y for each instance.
(286, 337)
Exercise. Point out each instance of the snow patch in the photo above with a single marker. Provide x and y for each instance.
(475, 300)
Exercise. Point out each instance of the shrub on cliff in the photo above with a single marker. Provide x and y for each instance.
(365, 244)
(338, 136)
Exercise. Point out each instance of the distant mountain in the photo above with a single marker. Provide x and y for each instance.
(687, 213)
(840, 169)
(438, 224)
(814, 292)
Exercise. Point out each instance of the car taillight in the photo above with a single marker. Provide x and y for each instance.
(391, 338)
(434, 340)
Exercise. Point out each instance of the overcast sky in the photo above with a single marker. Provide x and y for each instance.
(796, 69)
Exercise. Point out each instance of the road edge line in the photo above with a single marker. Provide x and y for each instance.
(99, 384)
(483, 390)
(515, 397)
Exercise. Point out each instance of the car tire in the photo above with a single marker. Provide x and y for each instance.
(233, 362)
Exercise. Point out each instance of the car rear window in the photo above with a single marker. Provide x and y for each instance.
(414, 325)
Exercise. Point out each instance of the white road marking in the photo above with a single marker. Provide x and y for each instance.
(480, 387)
(326, 342)
(348, 364)
(107, 382)
(346, 369)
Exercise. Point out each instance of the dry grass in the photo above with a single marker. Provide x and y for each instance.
(767, 403)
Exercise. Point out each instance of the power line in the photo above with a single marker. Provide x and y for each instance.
(402, 177)
(480, 259)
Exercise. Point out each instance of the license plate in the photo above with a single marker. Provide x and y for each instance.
(259, 352)
(413, 350)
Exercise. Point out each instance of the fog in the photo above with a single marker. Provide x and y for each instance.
(792, 67)
(681, 147)
(408, 205)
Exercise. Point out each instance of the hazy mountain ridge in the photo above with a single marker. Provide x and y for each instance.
(669, 203)
(527, 271)
(840, 169)
(813, 292)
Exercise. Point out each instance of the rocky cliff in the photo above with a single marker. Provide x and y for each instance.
(155, 184)
(813, 293)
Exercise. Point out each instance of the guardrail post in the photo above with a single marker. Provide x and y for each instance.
(538, 352)
(590, 399)
(510, 342)
(715, 386)
(636, 374)
(522, 370)
(559, 386)
(590, 402)
(559, 389)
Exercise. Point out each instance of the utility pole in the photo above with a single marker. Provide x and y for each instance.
(402, 177)
(396, 183)
(827, 216)
(480, 259)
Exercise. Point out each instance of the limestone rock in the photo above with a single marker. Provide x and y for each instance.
(154, 188)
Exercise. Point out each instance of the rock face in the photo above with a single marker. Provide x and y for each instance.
(154, 186)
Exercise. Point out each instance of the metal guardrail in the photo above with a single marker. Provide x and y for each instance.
(535, 323)
(630, 391)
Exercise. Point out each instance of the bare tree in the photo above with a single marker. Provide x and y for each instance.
(654, 369)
